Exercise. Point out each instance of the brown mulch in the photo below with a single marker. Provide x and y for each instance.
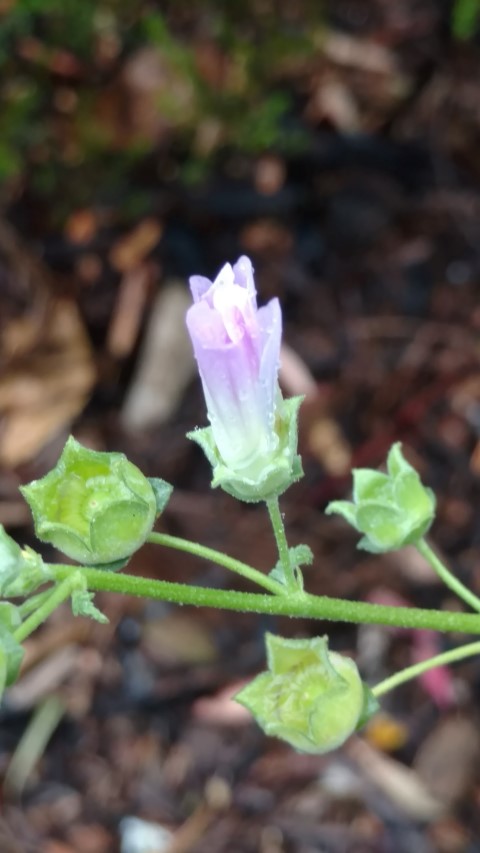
(369, 236)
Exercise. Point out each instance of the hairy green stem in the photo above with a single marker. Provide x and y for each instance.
(418, 668)
(67, 584)
(446, 576)
(297, 604)
(282, 544)
(230, 563)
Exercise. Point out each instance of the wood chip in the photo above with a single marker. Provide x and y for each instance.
(448, 759)
(129, 307)
(42, 397)
(166, 364)
(131, 249)
(402, 786)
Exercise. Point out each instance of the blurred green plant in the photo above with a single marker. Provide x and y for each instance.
(465, 16)
(62, 63)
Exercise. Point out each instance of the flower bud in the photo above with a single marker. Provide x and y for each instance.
(391, 510)
(252, 441)
(21, 571)
(312, 698)
(95, 507)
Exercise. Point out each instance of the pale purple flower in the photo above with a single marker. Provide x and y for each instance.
(237, 347)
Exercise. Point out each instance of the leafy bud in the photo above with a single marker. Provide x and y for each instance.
(96, 507)
(312, 698)
(391, 510)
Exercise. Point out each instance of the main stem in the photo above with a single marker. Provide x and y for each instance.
(446, 576)
(282, 544)
(418, 668)
(297, 604)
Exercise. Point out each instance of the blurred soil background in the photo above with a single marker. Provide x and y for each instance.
(337, 144)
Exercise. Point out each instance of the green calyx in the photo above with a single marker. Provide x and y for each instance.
(391, 510)
(278, 471)
(96, 507)
(311, 698)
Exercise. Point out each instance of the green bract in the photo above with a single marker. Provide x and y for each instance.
(312, 698)
(275, 473)
(392, 509)
(97, 508)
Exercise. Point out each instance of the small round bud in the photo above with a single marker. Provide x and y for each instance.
(312, 698)
(95, 507)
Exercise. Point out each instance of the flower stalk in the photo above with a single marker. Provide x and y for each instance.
(410, 672)
(279, 532)
(219, 558)
(446, 575)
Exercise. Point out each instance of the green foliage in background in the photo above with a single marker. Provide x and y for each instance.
(465, 16)
(62, 64)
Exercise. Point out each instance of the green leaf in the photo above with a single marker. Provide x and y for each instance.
(300, 555)
(116, 566)
(365, 544)
(369, 485)
(384, 526)
(396, 462)
(9, 615)
(3, 672)
(10, 560)
(416, 500)
(346, 509)
(162, 491)
(370, 706)
(82, 605)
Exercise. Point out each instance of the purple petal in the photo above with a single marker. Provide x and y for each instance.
(243, 272)
(205, 326)
(238, 314)
(225, 277)
(234, 403)
(270, 322)
(199, 285)
(237, 348)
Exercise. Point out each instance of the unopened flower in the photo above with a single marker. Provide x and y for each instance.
(95, 507)
(312, 698)
(391, 510)
(252, 440)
